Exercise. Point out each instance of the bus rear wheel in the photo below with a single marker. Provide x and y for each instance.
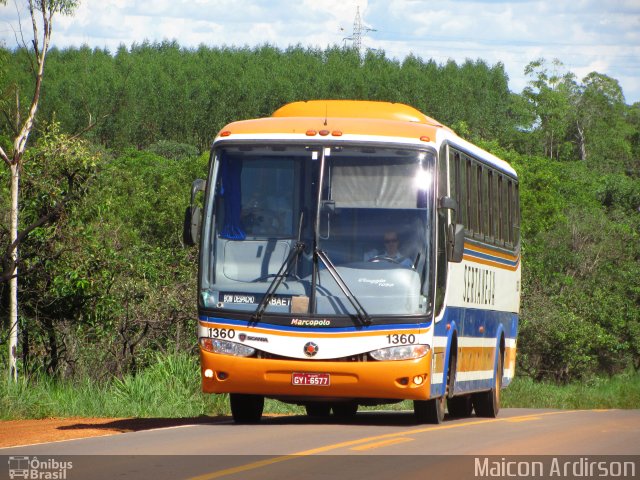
(487, 404)
(460, 407)
(246, 408)
(429, 411)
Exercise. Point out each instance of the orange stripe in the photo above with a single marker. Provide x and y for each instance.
(471, 359)
(510, 357)
(490, 251)
(490, 263)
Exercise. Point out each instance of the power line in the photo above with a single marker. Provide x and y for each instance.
(358, 29)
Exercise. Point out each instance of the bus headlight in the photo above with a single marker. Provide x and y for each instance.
(403, 352)
(225, 347)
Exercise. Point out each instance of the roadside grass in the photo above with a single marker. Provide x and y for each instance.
(170, 388)
(621, 391)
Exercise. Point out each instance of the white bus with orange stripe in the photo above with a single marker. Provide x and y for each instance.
(298, 299)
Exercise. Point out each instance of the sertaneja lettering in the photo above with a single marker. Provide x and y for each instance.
(479, 286)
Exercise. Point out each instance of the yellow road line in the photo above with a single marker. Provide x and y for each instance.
(517, 420)
(383, 443)
(350, 443)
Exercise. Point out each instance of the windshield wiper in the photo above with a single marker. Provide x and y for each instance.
(363, 316)
(277, 280)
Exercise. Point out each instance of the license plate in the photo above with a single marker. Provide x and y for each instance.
(315, 379)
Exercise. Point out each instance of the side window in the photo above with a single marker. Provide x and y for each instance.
(441, 253)
(454, 182)
(443, 180)
(491, 228)
(504, 204)
(500, 201)
(462, 204)
(510, 212)
(480, 203)
(472, 195)
(441, 264)
(516, 219)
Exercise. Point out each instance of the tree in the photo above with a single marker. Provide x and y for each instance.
(549, 94)
(62, 168)
(600, 124)
(40, 11)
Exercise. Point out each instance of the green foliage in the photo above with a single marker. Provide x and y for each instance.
(619, 191)
(108, 283)
(173, 150)
(154, 92)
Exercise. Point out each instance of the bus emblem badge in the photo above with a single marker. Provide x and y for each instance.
(310, 349)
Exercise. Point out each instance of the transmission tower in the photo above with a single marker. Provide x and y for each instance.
(356, 36)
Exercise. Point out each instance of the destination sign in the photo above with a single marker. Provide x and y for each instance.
(238, 298)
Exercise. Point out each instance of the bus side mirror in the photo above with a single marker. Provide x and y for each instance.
(193, 215)
(455, 231)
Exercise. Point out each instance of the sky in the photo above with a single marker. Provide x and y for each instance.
(585, 35)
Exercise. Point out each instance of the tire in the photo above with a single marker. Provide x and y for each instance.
(246, 408)
(487, 404)
(318, 409)
(429, 411)
(460, 407)
(345, 410)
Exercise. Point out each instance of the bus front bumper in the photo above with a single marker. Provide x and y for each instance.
(401, 380)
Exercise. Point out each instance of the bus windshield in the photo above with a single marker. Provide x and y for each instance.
(324, 231)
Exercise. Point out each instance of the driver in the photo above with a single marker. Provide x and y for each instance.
(391, 250)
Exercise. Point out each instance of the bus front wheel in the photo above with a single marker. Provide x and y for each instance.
(429, 411)
(246, 408)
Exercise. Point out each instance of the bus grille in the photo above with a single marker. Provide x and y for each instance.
(362, 357)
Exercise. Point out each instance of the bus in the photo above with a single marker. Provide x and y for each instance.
(299, 298)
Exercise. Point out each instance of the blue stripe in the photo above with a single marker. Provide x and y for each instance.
(469, 320)
(283, 328)
(486, 256)
(473, 385)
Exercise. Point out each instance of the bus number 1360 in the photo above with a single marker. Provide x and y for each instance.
(401, 339)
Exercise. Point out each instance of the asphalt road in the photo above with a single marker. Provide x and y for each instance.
(527, 442)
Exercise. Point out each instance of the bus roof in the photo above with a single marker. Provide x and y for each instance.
(398, 112)
(353, 120)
